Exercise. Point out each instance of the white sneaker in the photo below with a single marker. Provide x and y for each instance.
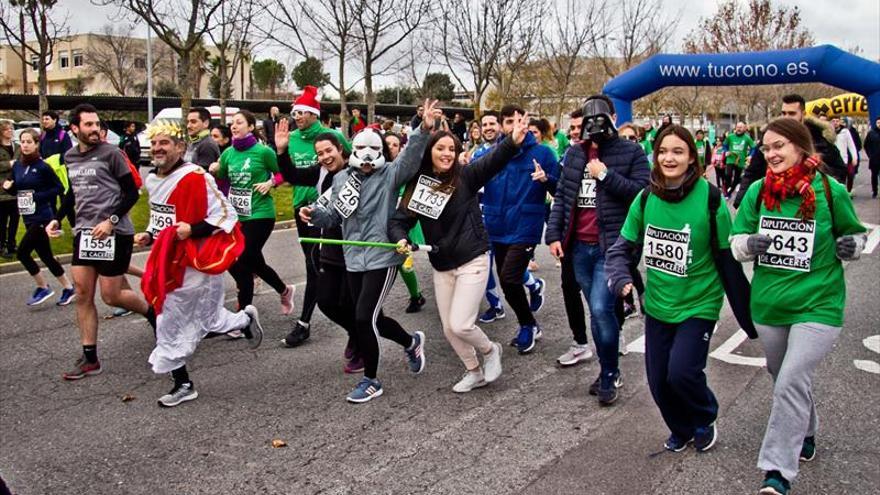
(575, 354)
(470, 381)
(492, 363)
(621, 345)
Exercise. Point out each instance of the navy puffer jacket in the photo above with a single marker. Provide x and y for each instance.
(628, 173)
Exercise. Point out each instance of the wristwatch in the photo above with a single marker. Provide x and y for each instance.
(114, 219)
(602, 174)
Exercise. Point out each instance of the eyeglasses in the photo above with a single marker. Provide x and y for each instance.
(778, 145)
(631, 138)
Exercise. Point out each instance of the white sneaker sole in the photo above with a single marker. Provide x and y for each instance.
(367, 398)
(582, 358)
(480, 384)
(192, 396)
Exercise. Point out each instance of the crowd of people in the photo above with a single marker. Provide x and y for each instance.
(479, 198)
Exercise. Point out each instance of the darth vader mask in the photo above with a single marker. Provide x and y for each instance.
(598, 124)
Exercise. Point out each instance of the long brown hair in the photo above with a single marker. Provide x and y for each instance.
(658, 180)
(795, 132)
(448, 180)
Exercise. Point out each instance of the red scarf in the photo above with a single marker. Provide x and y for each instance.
(796, 180)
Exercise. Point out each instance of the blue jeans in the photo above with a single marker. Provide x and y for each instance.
(589, 271)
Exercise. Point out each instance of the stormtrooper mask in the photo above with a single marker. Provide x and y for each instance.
(598, 124)
(366, 154)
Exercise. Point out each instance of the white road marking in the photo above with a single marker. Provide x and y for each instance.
(873, 238)
(872, 343)
(725, 352)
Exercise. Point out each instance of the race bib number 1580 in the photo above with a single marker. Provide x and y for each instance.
(666, 250)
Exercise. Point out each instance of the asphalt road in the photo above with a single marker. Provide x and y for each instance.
(534, 431)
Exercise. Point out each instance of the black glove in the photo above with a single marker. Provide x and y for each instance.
(758, 244)
(846, 247)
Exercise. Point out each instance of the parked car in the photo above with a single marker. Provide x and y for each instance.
(175, 114)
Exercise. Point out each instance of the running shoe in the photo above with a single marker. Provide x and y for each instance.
(492, 314)
(705, 437)
(774, 484)
(808, 449)
(253, 331)
(120, 312)
(676, 444)
(415, 355)
(67, 297)
(354, 365)
(492, 363)
(298, 335)
(82, 369)
(575, 354)
(607, 396)
(415, 304)
(366, 390)
(40, 295)
(287, 300)
(594, 387)
(525, 340)
(470, 381)
(536, 296)
(178, 395)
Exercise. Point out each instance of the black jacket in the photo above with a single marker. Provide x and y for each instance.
(312, 176)
(872, 148)
(823, 142)
(132, 147)
(458, 232)
(628, 173)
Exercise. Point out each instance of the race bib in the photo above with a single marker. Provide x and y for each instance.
(587, 193)
(349, 196)
(792, 246)
(666, 250)
(96, 249)
(161, 216)
(26, 204)
(240, 197)
(324, 199)
(426, 200)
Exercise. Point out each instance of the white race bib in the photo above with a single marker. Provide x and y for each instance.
(666, 250)
(240, 197)
(426, 200)
(792, 246)
(96, 249)
(349, 196)
(587, 193)
(161, 216)
(26, 204)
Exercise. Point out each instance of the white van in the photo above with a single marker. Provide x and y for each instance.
(174, 113)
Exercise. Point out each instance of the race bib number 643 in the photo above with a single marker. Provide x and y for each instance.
(792, 246)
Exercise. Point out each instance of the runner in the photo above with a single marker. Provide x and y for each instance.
(9, 215)
(738, 145)
(333, 295)
(718, 165)
(36, 186)
(249, 166)
(601, 177)
(671, 223)
(363, 199)
(102, 192)
(201, 148)
(872, 149)
(196, 238)
(443, 197)
(798, 225)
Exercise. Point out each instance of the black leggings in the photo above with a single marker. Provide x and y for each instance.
(734, 174)
(311, 253)
(574, 305)
(512, 261)
(251, 261)
(36, 239)
(369, 290)
(334, 298)
(8, 223)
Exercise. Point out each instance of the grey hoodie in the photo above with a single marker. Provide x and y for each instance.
(379, 193)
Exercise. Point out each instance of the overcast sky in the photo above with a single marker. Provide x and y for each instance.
(845, 24)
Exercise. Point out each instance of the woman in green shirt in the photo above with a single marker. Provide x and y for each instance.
(249, 165)
(797, 225)
(683, 291)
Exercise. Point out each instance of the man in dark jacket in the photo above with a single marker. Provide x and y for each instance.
(872, 149)
(794, 107)
(54, 140)
(417, 118)
(130, 144)
(600, 179)
(201, 148)
(269, 126)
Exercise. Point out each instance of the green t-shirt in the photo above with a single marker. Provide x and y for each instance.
(562, 143)
(244, 169)
(301, 148)
(648, 143)
(792, 282)
(701, 150)
(682, 280)
(738, 148)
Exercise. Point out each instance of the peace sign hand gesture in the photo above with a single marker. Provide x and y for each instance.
(432, 109)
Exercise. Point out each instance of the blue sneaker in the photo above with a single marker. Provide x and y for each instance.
(366, 390)
(67, 297)
(536, 296)
(525, 341)
(705, 437)
(40, 296)
(415, 355)
(676, 444)
(492, 314)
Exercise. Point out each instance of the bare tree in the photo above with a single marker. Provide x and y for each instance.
(21, 19)
(521, 50)
(476, 33)
(121, 59)
(232, 37)
(181, 24)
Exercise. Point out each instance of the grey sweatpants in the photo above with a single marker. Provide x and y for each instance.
(793, 353)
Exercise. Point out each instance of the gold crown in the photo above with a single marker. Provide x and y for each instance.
(166, 127)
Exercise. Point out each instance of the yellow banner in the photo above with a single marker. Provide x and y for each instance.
(847, 104)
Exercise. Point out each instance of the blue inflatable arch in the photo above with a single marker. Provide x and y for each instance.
(826, 64)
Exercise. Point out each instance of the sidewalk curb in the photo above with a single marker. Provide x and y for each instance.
(7, 267)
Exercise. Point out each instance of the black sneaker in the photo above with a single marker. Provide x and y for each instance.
(705, 437)
(774, 484)
(415, 304)
(298, 335)
(808, 449)
(607, 392)
(594, 387)
(178, 395)
(676, 444)
(253, 331)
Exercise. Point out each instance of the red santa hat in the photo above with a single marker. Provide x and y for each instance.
(308, 101)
